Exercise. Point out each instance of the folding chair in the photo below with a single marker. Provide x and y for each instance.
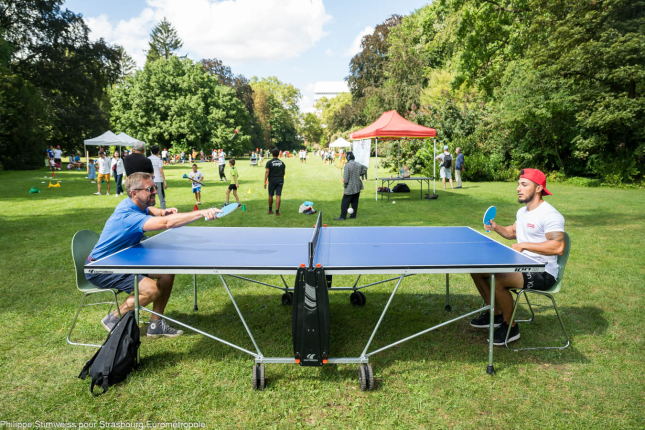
(82, 244)
(562, 262)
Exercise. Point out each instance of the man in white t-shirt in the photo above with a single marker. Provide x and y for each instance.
(447, 163)
(105, 167)
(164, 156)
(539, 230)
(58, 155)
(158, 175)
(222, 165)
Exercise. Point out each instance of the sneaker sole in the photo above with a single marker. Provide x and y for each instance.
(485, 326)
(510, 339)
(154, 336)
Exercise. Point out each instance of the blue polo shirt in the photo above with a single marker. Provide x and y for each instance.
(460, 161)
(122, 230)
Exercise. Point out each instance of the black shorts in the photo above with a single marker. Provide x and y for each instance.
(275, 188)
(538, 281)
(232, 187)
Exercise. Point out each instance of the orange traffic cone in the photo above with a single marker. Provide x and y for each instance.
(195, 208)
(53, 174)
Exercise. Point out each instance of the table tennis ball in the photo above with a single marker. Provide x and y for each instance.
(393, 202)
(350, 211)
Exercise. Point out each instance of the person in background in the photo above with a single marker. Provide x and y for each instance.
(164, 157)
(50, 156)
(222, 165)
(137, 161)
(197, 178)
(446, 166)
(182, 157)
(274, 178)
(58, 154)
(118, 170)
(91, 171)
(105, 167)
(234, 185)
(459, 166)
(353, 186)
(158, 175)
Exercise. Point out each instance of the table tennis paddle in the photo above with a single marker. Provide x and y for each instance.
(489, 215)
(225, 210)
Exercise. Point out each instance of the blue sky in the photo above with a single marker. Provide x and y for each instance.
(299, 41)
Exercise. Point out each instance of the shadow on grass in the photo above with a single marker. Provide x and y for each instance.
(352, 326)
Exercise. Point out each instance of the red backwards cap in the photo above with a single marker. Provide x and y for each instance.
(536, 176)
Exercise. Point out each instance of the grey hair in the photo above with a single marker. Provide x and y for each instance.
(139, 146)
(135, 181)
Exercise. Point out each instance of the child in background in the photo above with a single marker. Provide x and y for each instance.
(197, 178)
(91, 171)
(233, 186)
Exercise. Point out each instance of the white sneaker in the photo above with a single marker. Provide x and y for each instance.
(107, 194)
(97, 193)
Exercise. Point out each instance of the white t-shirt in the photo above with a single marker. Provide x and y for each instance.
(533, 226)
(164, 154)
(105, 165)
(119, 165)
(222, 158)
(58, 153)
(197, 176)
(156, 164)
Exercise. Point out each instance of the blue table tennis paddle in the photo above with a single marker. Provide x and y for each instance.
(489, 215)
(225, 210)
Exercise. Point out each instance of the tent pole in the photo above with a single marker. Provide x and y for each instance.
(434, 166)
(376, 173)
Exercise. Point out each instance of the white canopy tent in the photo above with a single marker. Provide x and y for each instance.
(340, 143)
(106, 139)
(110, 139)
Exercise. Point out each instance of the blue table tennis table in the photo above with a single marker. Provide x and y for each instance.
(314, 256)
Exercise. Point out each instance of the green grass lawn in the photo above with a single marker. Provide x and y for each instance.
(435, 381)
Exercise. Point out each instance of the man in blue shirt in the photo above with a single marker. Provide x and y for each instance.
(131, 218)
(459, 166)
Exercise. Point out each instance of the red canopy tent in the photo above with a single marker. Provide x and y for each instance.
(391, 125)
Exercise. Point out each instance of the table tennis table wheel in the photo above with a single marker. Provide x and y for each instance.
(357, 298)
(448, 308)
(259, 383)
(287, 298)
(366, 377)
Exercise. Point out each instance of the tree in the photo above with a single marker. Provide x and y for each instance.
(366, 69)
(279, 118)
(311, 129)
(53, 59)
(176, 103)
(127, 65)
(164, 41)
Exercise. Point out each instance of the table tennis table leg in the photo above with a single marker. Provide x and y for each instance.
(448, 308)
(195, 308)
(490, 369)
(136, 309)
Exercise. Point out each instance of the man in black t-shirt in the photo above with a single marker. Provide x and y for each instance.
(137, 161)
(274, 177)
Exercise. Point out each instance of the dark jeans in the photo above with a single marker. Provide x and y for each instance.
(221, 171)
(118, 179)
(347, 200)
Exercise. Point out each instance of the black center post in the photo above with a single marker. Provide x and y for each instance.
(310, 313)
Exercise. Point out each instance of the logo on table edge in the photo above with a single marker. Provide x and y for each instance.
(527, 269)
(100, 272)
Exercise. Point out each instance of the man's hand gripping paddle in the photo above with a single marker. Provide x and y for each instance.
(488, 216)
(225, 210)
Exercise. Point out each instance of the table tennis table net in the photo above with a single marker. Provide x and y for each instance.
(313, 245)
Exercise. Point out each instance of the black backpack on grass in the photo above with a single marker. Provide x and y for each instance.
(401, 188)
(116, 358)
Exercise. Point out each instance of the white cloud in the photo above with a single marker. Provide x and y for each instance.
(230, 30)
(329, 52)
(356, 44)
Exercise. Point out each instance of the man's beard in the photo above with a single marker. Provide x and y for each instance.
(526, 199)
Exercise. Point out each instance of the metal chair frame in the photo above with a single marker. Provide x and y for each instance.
(82, 244)
(562, 261)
